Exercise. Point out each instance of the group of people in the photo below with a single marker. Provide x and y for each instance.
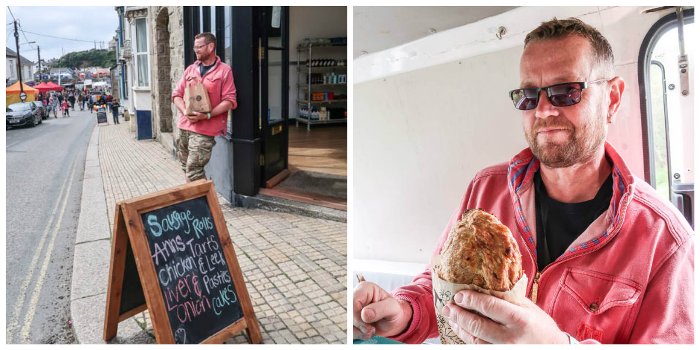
(107, 101)
(65, 101)
(54, 101)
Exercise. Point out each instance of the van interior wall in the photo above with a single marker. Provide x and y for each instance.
(311, 22)
(420, 136)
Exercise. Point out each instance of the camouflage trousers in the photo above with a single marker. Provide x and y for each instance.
(194, 152)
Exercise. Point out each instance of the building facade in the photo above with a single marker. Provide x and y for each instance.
(154, 46)
(11, 63)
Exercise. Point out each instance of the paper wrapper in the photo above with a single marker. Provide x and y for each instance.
(196, 98)
(443, 293)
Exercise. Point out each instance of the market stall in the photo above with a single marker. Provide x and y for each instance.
(13, 91)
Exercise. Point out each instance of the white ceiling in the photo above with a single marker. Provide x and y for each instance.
(380, 28)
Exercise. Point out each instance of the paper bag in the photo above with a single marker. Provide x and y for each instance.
(443, 293)
(196, 98)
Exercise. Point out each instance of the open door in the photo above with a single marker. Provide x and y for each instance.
(667, 98)
(273, 43)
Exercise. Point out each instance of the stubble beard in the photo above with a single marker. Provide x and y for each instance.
(581, 146)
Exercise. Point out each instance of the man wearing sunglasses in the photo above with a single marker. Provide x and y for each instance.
(607, 259)
(197, 130)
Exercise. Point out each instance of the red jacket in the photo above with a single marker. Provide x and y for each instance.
(627, 279)
(218, 82)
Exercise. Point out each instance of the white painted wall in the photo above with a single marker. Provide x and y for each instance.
(11, 68)
(140, 95)
(27, 72)
(313, 22)
(419, 136)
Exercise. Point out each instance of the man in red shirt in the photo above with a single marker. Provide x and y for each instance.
(197, 130)
(607, 259)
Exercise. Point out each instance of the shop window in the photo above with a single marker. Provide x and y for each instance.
(142, 53)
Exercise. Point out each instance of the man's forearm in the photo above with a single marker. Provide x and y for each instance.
(223, 107)
(180, 104)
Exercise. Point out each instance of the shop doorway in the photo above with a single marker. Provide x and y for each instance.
(299, 163)
(263, 151)
(317, 167)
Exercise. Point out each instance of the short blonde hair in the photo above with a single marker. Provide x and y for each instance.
(561, 28)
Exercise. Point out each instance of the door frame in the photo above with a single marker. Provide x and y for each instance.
(275, 134)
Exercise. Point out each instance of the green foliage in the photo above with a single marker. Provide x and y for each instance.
(89, 58)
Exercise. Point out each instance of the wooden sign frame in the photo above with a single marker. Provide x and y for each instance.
(129, 230)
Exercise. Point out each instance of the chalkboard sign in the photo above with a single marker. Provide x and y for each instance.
(101, 116)
(198, 290)
(132, 296)
(172, 250)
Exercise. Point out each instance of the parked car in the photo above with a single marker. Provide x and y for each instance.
(22, 114)
(43, 111)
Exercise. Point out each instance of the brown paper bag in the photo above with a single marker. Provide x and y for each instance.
(444, 291)
(196, 98)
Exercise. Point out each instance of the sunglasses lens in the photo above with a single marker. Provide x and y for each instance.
(564, 94)
(524, 99)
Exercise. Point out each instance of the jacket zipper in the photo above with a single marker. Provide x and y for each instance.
(535, 286)
(536, 280)
(536, 283)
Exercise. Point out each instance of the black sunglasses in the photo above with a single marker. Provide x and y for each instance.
(559, 95)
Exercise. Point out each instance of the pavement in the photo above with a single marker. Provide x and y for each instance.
(294, 265)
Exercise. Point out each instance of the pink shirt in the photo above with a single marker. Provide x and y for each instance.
(218, 82)
(627, 279)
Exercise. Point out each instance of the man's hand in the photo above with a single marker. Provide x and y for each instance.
(197, 116)
(376, 312)
(502, 322)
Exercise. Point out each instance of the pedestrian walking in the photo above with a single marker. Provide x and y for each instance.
(53, 102)
(114, 106)
(197, 131)
(64, 108)
(89, 102)
(71, 100)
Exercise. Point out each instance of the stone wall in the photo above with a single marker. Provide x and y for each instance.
(177, 56)
(166, 58)
(160, 68)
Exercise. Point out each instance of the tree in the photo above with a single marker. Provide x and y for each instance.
(88, 58)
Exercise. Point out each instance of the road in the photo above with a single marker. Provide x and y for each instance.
(45, 166)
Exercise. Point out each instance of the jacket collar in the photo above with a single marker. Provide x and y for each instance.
(521, 171)
(197, 63)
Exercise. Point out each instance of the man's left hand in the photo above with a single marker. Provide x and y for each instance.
(502, 322)
(197, 116)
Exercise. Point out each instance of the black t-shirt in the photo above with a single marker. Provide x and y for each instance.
(559, 224)
(204, 69)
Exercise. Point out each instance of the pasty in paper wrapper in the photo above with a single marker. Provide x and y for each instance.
(481, 254)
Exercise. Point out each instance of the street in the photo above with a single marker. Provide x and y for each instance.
(45, 166)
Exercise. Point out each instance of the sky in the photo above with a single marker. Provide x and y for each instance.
(55, 29)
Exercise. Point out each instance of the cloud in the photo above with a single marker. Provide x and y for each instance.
(92, 26)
